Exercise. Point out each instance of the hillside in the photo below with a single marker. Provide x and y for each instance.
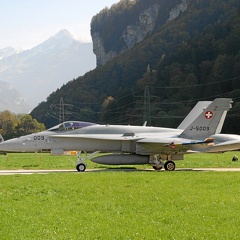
(10, 98)
(195, 56)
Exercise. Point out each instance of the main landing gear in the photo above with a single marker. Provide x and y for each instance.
(80, 165)
(168, 166)
(158, 164)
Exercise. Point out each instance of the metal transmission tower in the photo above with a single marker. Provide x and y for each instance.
(61, 110)
(147, 106)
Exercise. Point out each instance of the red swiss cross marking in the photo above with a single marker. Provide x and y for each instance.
(208, 115)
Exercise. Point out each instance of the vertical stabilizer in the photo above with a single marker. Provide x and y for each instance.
(195, 112)
(210, 121)
(1, 138)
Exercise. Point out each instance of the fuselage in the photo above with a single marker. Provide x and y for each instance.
(88, 138)
(141, 140)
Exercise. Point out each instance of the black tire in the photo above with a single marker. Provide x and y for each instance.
(169, 166)
(81, 167)
(157, 167)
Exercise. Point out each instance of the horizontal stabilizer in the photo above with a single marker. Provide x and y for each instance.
(229, 145)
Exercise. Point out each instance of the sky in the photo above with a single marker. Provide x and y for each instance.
(27, 23)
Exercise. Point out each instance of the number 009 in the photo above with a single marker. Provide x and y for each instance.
(38, 137)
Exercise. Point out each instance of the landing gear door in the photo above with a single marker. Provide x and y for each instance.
(128, 146)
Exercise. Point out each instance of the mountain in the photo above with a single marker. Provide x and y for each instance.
(8, 51)
(11, 99)
(37, 72)
(181, 52)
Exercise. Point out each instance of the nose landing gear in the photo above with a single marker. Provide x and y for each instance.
(80, 165)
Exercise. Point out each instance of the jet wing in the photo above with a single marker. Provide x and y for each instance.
(97, 136)
(171, 145)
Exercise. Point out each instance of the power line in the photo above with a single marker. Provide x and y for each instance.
(147, 104)
(197, 85)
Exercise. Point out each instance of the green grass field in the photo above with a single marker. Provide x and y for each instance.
(119, 204)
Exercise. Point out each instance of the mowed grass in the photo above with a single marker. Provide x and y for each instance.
(120, 205)
(111, 204)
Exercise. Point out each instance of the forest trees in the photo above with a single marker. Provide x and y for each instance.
(12, 125)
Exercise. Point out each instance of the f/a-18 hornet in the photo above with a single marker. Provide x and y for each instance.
(129, 145)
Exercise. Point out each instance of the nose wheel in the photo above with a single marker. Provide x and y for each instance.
(81, 167)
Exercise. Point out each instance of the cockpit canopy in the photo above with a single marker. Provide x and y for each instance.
(70, 125)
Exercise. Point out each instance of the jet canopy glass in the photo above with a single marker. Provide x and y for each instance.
(70, 125)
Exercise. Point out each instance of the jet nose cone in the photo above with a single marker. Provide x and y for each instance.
(2, 146)
(13, 145)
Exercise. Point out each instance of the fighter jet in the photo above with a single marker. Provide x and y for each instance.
(129, 145)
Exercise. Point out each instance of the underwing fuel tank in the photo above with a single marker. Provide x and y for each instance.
(121, 159)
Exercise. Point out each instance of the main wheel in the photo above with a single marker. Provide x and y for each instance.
(81, 167)
(169, 166)
(157, 167)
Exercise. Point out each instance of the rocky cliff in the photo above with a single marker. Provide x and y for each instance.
(106, 26)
